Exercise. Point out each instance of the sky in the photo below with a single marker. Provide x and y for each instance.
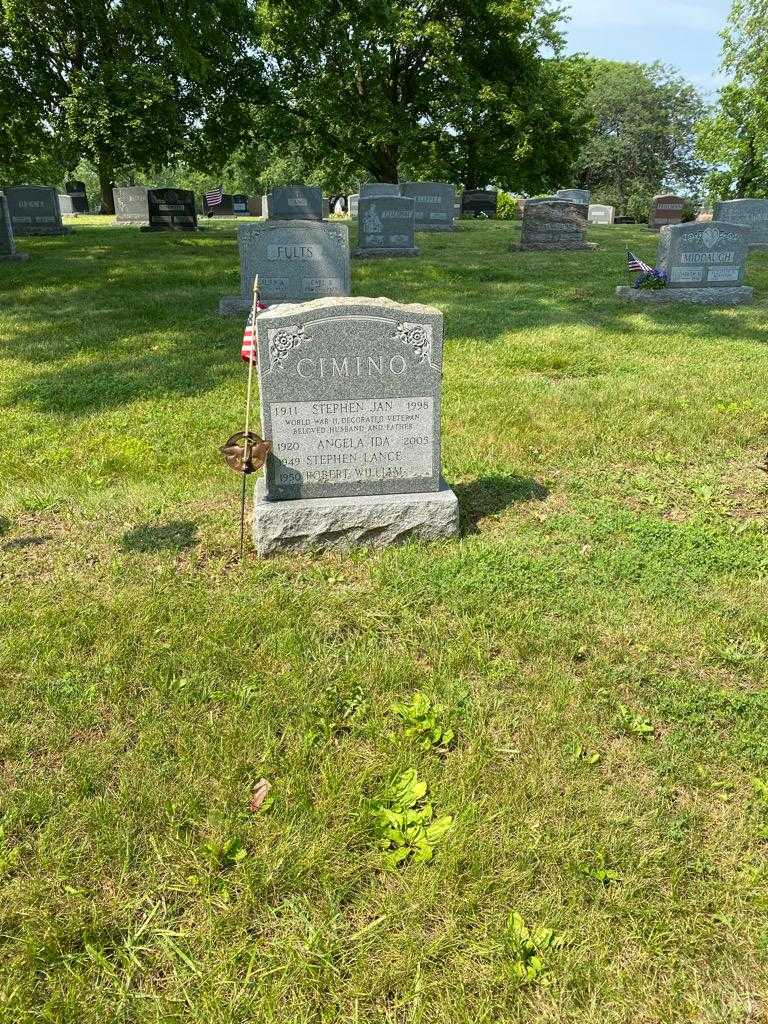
(672, 31)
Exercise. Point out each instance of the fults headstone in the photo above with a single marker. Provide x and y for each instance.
(435, 202)
(35, 210)
(296, 261)
(352, 204)
(386, 227)
(751, 212)
(350, 400)
(65, 205)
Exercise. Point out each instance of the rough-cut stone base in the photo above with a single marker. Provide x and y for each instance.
(553, 246)
(372, 254)
(17, 257)
(338, 523)
(700, 296)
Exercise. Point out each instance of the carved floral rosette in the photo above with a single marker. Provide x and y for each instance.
(418, 337)
(282, 341)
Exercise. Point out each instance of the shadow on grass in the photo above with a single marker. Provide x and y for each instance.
(492, 494)
(173, 536)
(25, 542)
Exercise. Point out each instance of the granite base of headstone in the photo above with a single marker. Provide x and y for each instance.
(350, 400)
(8, 250)
(553, 225)
(35, 210)
(296, 260)
(386, 227)
(704, 263)
(753, 213)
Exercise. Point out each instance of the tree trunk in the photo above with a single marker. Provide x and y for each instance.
(383, 163)
(106, 184)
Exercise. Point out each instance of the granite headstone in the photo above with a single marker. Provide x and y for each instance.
(350, 400)
(599, 213)
(666, 209)
(751, 212)
(379, 188)
(172, 209)
(554, 224)
(479, 203)
(65, 205)
(254, 206)
(435, 204)
(296, 202)
(580, 196)
(8, 249)
(386, 227)
(35, 210)
(352, 204)
(76, 190)
(131, 205)
(296, 261)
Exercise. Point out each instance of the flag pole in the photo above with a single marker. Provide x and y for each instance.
(246, 440)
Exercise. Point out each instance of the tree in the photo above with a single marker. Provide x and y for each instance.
(735, 136)
(132, 83)
(642, 134)
(458, 86)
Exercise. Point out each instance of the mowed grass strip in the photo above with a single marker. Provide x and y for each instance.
(596, 640)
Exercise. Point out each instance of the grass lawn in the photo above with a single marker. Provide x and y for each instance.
(597, 641)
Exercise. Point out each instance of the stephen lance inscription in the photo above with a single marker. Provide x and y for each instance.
(350, 397)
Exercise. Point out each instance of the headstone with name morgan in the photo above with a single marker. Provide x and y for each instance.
(350, 401)
(296, 202)
(76, 190)
(666, 209)
(704, 264)
(379, 188)
(751, 212)
(581, 196)
(479, 203)
(35, 210)
(553, 224)
(386, 227)
(172, 209)
(8, 249)
(435, 204)
(599, 213)
(296, 261)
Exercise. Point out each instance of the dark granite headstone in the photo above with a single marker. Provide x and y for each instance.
(34, 210)
(76, 190)
(8, 249)
(435, 204)
(299, 202)
(386, 226)
(479, 203)
(171, 209)
(751, 212)
(665, 209)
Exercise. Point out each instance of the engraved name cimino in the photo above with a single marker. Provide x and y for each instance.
(370, 366)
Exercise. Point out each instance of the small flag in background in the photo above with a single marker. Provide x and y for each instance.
(633, 263)
(214, 197)
(248, 352)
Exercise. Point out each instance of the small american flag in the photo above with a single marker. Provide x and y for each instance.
(248, 350)
(214, 197)
(634, 264)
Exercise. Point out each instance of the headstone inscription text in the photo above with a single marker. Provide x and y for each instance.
(704, 255)
(34, 210)
(753, 213)
(297, 202)
(386, 226)
(435, 203)
(350, 398)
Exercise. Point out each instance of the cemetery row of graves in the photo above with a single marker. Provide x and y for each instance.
(516, 774)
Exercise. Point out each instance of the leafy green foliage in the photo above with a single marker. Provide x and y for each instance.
(634, 724)
(506, 207)
(528, 950)
(404, 822)
(585, 755)
(421, 720)
(226, 853)
(598, 870)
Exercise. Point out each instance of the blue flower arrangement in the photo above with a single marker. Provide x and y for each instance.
(653, 280)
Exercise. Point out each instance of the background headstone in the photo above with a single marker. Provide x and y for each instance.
(479, 203)
(65, 205)
(574, 195)
(379, 188)
(254, 206)
(34, 210)
(172, 209)
(326, 207)
(554, 224)
(704, 264)
(131, 205)
(296, 261)
(8, 249)
(296, 202)
(435, 204)
(76, 189)
(598, 213)
(666, 209)
(753, 213)
(386, 226)
(239, 205)
(352, 204)
(265, 206)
